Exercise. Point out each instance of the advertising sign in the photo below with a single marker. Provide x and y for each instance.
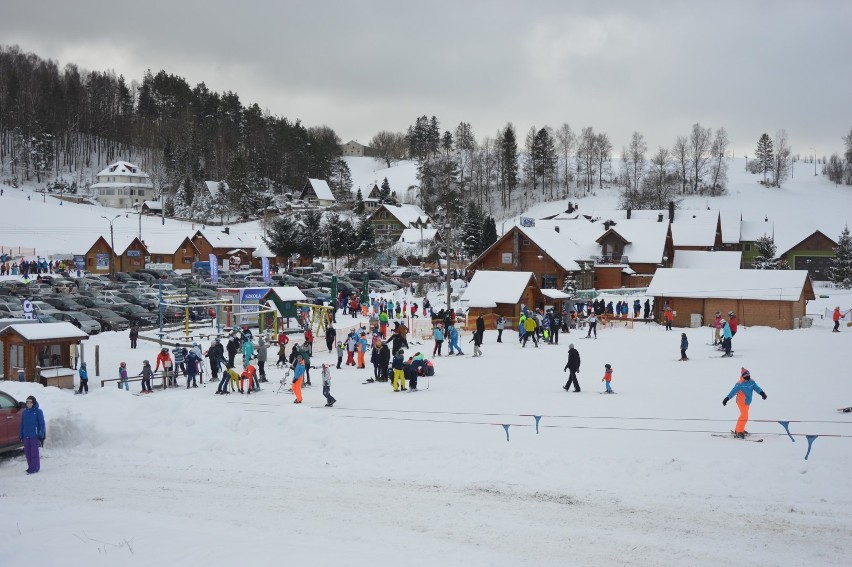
(80, 262)
(102, 261)
(249, 300)
(264, 265)
(214, 269)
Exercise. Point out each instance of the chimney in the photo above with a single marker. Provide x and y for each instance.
(660, 217)
(671, 211)
(556, 228)
(227, 230)
(629, 212)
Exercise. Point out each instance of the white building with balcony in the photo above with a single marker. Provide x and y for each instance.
(123, 184)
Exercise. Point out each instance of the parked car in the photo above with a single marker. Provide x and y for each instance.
(43, 307)
(109, 320)
(45, 318)
(63, 303)
(136, 314)
(80, 320)
(11, 411)
(8, 311)
(91, 302)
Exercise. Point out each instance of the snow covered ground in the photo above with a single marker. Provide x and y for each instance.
(428, 478)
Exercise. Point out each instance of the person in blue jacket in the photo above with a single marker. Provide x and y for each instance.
(454, 340)
(248, 350)
(84, 379)
(727, 337)
(743, 391)
(32, 433)
(684, 344)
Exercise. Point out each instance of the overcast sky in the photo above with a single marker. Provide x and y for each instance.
(360, 67)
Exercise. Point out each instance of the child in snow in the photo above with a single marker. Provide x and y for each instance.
(147, 374)
(122, 375)
(340, 350)
(298, 376)
(326, 385)
(743, 389)
(84, 379)
(684, 344)
(607, 378)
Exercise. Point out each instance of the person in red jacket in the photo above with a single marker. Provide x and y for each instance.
(732, 322)
(165, 359)
(836, 316)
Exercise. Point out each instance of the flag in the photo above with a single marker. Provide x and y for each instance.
(214, 269)
(264, 265)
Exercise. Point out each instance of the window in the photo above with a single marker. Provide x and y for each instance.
(747, 247)
(526, 242)
(16, 356)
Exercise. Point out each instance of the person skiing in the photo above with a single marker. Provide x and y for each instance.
(733, 323)
(477, 342)
(191, 362)
(836, 316)
(298, 375)
(166, 360)
(398, 372)
(216, 354)
(84, 379)
(32, 432)
(326, 385)
(743, 390)
(684, 344)
(147, 374)
(438, 334)
(233, 347)
(122, 377)
(726, 339)
(573, 365)
(179, 353)
(261, 359)
(607, 378)
(530, 327)
(454, 341)
(340, 350)
(593, 325)
(717, 326)
(248, 351)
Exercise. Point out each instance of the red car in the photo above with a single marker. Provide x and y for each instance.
(10, 423)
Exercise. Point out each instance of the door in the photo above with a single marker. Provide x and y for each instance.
(10, 416)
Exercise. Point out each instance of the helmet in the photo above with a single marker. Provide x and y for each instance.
(164, 350)
(146, 363)
(123, 364)
(730, 313)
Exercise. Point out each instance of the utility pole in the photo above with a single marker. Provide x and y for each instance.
(111, 246)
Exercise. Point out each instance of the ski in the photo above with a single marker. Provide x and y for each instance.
(729, 436)
(605, 392)
(845, 410)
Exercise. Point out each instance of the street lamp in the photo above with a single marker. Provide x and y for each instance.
(111, 245)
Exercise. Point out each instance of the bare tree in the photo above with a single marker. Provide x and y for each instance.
(680, 155)
(633, 161)
(566, 139)
(781, 167)
(389, 147)
(700, 143)
(586, 157)
(718, 165)
(603, 155)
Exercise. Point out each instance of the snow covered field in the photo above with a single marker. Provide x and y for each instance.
(427, 478)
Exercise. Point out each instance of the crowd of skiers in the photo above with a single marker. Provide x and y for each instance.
(11, 267)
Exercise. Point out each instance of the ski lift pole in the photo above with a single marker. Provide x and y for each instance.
(160, 286)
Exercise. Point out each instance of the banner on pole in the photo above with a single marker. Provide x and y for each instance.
(214, 269)
(264, 266)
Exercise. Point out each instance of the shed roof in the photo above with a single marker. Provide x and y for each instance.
(488, 287)
(46, 331)
(765, 285)
(322, 190)
(123, 168)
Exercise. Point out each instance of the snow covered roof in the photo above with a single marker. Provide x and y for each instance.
(695, 228)
(563, 247)
(488, 287)
(750, 231)
(122, 242)
(153, 205)
(647, 240)
(263, 251)
(768, 285)
(213, 187)
(47, 331)
(695, 259)
(555, 294)
(219, 239)
(105, 185)
(123, 168)
(413, 235)
(288, 293)
(162, 242)
(322, 190)
(406, 214)
(730, 223)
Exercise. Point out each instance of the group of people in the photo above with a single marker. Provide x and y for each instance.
(724, 331)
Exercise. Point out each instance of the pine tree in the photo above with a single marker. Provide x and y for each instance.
(282, 237)
(764, 156)
(765, 259)
(840, 271)
(489, 234)
(471, 230)
(570, 285)
(341, 180)
(385, 192)
(509, 164)
(179, 208)
(364, 243)
(359, 203)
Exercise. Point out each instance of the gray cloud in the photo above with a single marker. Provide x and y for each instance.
(654, 67)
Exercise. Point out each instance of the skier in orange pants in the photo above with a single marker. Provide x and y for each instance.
(298, 375)
(743, 390)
